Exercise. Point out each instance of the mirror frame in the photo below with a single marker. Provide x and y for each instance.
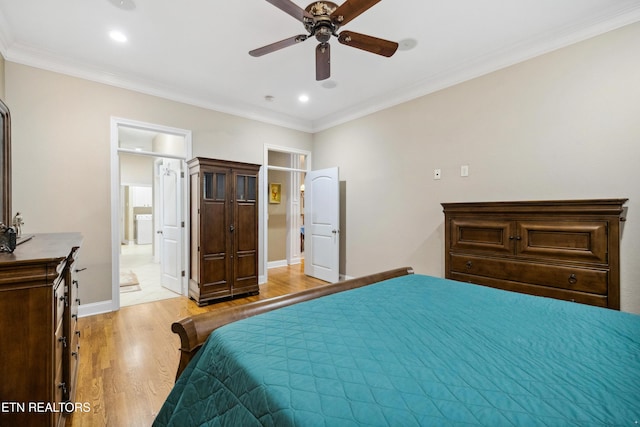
(5, 164)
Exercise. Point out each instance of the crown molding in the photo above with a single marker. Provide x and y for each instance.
(42, 59)
(485, 64)
(464, 71)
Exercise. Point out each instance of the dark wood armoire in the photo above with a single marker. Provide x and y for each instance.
(224, 229)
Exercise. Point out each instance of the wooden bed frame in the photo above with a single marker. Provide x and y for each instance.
(194, 330)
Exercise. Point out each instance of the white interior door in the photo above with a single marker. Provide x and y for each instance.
(170, 225)
(322, 224)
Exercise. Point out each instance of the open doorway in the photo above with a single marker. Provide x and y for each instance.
(148, 220)
(284, 205)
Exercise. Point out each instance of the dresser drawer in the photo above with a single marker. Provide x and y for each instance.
(564, 277)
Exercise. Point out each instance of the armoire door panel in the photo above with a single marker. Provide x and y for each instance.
(245, 228)
(246, 265)
(214, 227)
(215, 271)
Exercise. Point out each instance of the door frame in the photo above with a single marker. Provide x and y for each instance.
(264, 198)
(116, 122)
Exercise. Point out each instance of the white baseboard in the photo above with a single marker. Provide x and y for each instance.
(276, 264)
(94, 308)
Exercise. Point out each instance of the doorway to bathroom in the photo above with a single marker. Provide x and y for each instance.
(148, 220)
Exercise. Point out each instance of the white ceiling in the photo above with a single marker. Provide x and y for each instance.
(196, 51)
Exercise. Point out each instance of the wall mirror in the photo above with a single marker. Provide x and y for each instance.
(5, 164)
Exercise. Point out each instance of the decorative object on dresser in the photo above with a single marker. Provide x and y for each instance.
(7, 238)
(564, 249)
(224, 229)
(40, 340)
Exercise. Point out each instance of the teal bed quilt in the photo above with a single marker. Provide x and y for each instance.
(416, 351)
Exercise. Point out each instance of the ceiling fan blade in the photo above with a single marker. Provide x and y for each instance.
(368, 43)
(351, 9)
(292, 9)
(323, 61)
(278, 45)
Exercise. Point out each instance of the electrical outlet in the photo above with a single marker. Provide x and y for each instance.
(464, 170)
(437, 173)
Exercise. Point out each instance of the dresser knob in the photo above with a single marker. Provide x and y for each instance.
(469, 265)
(573, 279)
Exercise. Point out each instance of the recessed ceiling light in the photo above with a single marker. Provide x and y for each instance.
(123, 4)
(303, 98)
(118, 36)
(329, 84)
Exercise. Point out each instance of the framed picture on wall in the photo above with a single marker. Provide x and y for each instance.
(275, 193)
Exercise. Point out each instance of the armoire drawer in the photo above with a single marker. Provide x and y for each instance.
(565, 277)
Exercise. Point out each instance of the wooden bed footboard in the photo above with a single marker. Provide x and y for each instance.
(194, 330)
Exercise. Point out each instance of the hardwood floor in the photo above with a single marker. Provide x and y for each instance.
(128, 359)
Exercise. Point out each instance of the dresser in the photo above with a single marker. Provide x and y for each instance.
(40, 339)
(564, 249)
(224, 229)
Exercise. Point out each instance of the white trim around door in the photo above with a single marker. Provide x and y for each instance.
(116, 123)
(264, 205)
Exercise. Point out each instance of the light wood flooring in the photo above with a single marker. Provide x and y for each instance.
(128, 358)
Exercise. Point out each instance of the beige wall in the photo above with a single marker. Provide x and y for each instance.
(565, 125)
(61, 154)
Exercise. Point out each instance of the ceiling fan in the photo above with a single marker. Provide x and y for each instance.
(322, 19)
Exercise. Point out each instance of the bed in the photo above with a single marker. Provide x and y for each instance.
(404, 349)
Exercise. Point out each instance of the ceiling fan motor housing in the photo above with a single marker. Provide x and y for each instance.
(321, 26)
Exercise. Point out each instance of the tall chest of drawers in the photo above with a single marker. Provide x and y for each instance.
(40, 342)
(565, 249)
